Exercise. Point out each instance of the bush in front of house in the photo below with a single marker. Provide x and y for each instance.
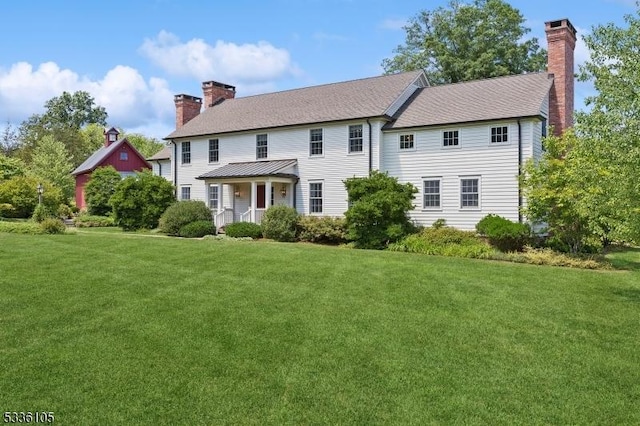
(379, 210)
(197, 229)
(445, 241)
(322, 230)
(52, 225)
(504, 234)
(243, 229)
(279, 223)
(182, 213)
(140, 200)
(91, 221)
(101, 186)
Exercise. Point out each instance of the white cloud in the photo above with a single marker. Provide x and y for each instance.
(581, 53)
(129, 100)
(245, 64)
(393, 24)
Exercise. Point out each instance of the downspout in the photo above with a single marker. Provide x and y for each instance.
(519, 171)
(370, 147)
(295, 201)
(175, 168)
(159, 167)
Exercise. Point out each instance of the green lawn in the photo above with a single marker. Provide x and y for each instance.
(111, 329)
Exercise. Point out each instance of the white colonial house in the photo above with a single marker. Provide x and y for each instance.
(462, 145)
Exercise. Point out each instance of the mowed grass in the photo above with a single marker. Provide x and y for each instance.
(128, 329)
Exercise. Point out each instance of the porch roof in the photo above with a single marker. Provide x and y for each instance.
(252, 169)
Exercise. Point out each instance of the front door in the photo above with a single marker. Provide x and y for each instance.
(260, 197)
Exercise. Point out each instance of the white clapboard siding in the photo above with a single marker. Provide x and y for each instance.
(496, 165)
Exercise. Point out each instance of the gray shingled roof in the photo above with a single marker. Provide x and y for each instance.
(480, 100)
(163, 154)
(250, 169)
(96, 158)
(369, 97)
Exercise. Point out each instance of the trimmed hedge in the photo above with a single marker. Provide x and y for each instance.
(182, 213)
(323, 230)
(197, 229)
(504, 234)
(243, 229)
(91, 221)
(444, 241)
(279, 223)
(31, 228)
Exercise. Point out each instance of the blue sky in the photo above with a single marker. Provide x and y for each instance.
(133, 56)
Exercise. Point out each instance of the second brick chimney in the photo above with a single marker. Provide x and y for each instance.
(561, 40)
(214, 92)
(187, 108)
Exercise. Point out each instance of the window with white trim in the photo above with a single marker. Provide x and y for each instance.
(315, 142)
(261, 147)
(469, 193)
(450, 138)
(185, 193)
(406, 141)
(214, 150)
(355, 138)
(315, 197)
(213, 196)
(124, 155)
(186, 152)
(499, 134)
(431, 193)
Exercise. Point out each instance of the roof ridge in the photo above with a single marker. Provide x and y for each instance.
(481, 80)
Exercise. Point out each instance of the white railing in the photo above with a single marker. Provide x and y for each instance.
(259, 215)
(223, 217)
(246, 216)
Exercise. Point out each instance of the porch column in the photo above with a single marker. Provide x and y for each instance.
(220, 192)
(254, 200)
(267, 194)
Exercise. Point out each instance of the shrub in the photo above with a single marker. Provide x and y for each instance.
(41, 213)
(243, 229)
(279, 223)
(547, 256)
(140, 200)
(100, 188)
(504, 234)
(90, 221)
(53, 225)
(64, 211)
(444, 241)
(197, 229)
(181, 213)
(22, 194)
(30, 228)
(378, 212)
(325, 230)
(439, 223)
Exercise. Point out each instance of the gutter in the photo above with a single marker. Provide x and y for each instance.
(519, 171)
(370, 147)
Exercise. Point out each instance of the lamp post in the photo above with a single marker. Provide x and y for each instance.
(40, 191)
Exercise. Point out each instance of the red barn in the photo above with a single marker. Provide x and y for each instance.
(117, 153)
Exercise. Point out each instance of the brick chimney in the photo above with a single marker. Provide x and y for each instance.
(561, 41)
(215, 92)
(187, 108)
(110, 136)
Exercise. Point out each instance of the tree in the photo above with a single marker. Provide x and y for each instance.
(140, 200)
(145, 145)
(8, 140)
(64, 118)
(10, 167)
(467, 41)
(21, 194)
(50, 161)
(378, 212)
(100, 189)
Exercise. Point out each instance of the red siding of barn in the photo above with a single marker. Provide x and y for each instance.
(81, 181)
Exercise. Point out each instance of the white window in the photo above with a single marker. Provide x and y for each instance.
(431, 193)
(261, 147)
(406, 141)
(450, 138)
(355, 138)
(213, 196)
(185, 193)
(315, 142)
(470, 193)
(214, 150)
(315, 197)
(499, 134)
(186, 152)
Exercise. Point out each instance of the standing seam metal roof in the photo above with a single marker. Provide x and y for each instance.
(250, 169)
